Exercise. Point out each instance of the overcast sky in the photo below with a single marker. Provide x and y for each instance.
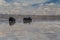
(29, 1)
(26, 5)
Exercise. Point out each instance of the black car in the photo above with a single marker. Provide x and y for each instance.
(12, 21)
(27, 20)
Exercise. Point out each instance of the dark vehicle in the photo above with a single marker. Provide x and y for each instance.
(12, 21)
(27, 20)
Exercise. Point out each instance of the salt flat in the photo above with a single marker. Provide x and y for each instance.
(33, 31)
(36, 30)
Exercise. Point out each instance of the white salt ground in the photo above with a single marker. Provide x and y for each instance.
(33, 31)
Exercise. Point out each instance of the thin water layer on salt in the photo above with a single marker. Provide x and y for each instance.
(33, 31)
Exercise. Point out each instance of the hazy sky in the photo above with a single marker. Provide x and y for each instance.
(26, 5)
(37, 2)
(34, 1)
(26, 1)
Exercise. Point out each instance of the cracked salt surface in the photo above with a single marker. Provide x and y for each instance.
(33, 31)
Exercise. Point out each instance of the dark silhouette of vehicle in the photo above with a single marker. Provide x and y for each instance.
(12, 21)
(27, 20)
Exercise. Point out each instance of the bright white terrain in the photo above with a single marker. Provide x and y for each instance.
(33, 31)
